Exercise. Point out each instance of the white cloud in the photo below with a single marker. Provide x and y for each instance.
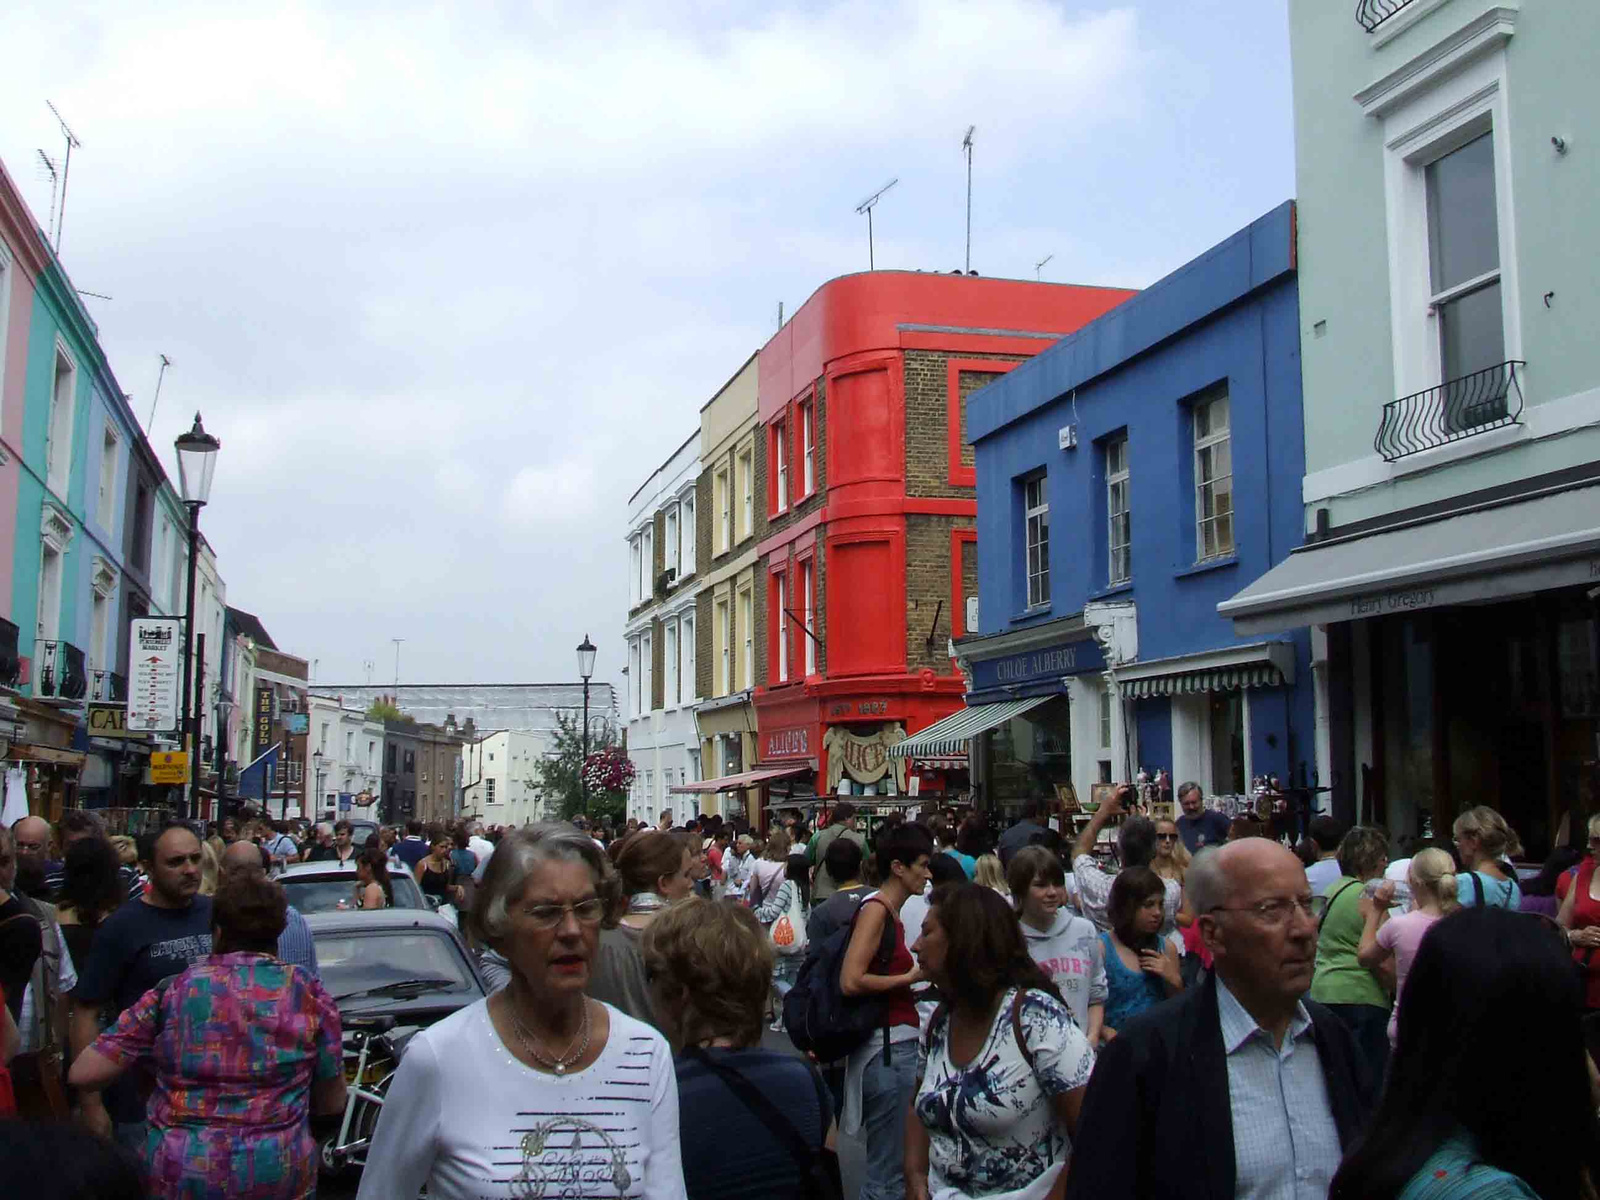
(450, 281)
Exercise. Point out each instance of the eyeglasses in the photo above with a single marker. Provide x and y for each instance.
(1166, 837)
(1273, 912)
(548, 916)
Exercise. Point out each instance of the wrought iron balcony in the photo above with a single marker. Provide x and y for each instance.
(1476, 403)
(10, 656)
(110, 687)
(1372, 13)
(60, 672)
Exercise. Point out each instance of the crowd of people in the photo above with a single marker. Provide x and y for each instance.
(1140, 1008)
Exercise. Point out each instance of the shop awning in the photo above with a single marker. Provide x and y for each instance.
(1227, 669)
(737, 783)
(948, 738)
(1488, 552)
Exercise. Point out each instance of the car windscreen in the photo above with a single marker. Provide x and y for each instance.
(353, 961)
(330, 893)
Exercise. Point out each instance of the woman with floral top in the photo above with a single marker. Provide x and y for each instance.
(1002, 1067)
(244, 1048)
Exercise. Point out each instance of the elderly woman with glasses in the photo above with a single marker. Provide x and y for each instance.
(538, 1090)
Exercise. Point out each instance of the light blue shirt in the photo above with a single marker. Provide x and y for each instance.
(1285, 1142)
(1497, 893)
(295, 944)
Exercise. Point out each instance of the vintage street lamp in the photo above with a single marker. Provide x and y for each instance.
(586, 652)
(197, 459)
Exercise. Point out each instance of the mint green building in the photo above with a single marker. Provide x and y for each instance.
(1446, 174)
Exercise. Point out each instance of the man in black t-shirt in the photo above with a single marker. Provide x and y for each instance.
(20, 937)
(138, 946)
(1199, 826)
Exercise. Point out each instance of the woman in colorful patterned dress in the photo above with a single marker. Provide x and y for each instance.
(244, 1049)
(1002, 1067)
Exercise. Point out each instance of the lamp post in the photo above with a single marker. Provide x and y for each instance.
(197, 459)
(586, 652)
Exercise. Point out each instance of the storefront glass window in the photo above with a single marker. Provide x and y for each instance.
(1028, 757)
(1227, 743)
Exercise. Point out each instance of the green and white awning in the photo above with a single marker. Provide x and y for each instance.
(951, 737)
(1232, 669)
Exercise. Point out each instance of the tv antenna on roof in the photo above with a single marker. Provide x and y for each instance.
(866, 206)
(966, 144)
(66, 170)
(55, 183)
(1039, 266)
(160, 375)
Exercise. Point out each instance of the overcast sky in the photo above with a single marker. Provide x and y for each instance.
(450, 280)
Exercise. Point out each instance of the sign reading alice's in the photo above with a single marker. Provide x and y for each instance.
(794, 742)
(1038, 666)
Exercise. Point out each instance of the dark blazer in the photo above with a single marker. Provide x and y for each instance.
(1156, 1120)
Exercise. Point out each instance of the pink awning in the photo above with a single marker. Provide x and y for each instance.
(736, 783)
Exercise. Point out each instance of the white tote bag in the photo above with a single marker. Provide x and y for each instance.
(788, 932)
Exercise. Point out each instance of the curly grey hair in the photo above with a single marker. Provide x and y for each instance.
(514, 861)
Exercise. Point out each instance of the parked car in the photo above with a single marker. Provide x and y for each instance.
(319, 887)
(362, 830)
(392, 972)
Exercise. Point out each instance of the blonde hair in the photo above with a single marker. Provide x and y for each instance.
(1495, 838)
(777, 846)
(717, 958)
(1173, 866)
(1433, 877)
(989, 873)
(127, 849)
(209, 867)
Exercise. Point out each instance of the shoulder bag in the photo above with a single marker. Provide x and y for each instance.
(819, 1167)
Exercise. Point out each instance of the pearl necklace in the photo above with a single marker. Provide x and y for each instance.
(536, 1050)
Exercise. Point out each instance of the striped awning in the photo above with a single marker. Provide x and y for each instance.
(949, 738)
(1223, 679)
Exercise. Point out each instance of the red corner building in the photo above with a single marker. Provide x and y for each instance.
(868, 550)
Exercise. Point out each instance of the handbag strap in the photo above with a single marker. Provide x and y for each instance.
(764, 1110)
(1334, 897)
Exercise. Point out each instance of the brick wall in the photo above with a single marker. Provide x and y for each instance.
(759, 613)
(927, 420)
(928, 573)
(658, 658)
(704, 667)
(705, 497)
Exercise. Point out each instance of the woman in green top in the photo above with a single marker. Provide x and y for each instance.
(1487, 987)
(1357, 996)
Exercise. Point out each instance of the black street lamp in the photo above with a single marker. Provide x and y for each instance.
(197, 459)
(586, 651)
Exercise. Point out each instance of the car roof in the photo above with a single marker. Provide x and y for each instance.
(328, 867)
(387, 919)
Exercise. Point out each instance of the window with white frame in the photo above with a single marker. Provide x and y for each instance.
(808, 599)
(722, 498)
(106, 504)
(690, 685)
(1213, 476)
(1464, 258)
(747, 494)
(647, 551)
(647, 655)
(99, 623)
(1119, 534)
(372, 757)
(488, 791)
(58, 430)
(322, 739)
(724, 649)
(349, 746)
(669, 662)
(808, 446)
(780, 439)
(747, 630)
(669, 547)
(783, 625)
(634, 573)
(1107, 703)
(689, 532)
(1036, 518)
(635, 676)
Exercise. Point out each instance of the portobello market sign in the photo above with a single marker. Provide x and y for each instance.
(1038, 666)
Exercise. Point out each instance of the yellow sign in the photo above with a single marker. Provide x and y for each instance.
(169, 766)
(110, 721)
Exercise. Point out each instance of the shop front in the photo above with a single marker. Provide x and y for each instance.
(849, 738)
(726, 728)
(1458, 661)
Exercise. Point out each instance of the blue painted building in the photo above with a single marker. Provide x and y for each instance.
(1129, 479)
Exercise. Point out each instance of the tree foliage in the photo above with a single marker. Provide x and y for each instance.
(385, 709)
(559, 771)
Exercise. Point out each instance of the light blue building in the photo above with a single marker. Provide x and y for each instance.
(1129, 479)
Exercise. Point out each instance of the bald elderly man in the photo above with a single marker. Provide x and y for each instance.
(1240, 1087)
(295, 944)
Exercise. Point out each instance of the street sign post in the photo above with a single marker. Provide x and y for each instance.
(169, 766)
(155, 653)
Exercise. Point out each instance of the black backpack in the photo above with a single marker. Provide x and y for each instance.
(819, 1017)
